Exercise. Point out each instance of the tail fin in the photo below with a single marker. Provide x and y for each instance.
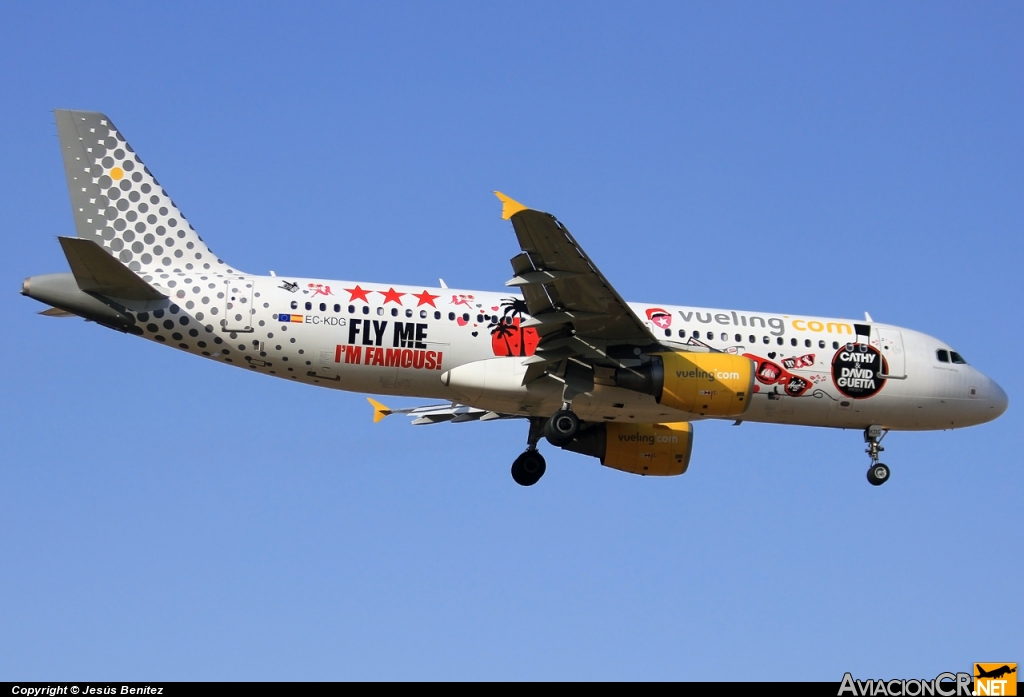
(119, 205)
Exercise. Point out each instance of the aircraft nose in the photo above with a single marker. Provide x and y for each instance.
(998, 400)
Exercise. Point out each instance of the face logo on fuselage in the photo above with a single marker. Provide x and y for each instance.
(659, 317)
(856, 370)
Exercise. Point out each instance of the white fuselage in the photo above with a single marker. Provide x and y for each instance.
(401, 340)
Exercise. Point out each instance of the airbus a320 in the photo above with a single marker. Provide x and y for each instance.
(589, 372)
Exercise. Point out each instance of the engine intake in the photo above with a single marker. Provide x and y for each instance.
(706, 384)
(648, 449)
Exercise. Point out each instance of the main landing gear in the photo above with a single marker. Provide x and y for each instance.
(559, 430)
(878, 473)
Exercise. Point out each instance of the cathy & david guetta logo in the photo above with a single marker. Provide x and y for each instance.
(988, 679)
(857, 370)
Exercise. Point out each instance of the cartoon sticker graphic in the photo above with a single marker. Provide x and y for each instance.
(659, 317)
(856, 369)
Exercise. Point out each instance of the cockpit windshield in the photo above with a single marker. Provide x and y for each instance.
(955, 357)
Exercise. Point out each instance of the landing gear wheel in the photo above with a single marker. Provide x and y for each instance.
(528, 468)
(562, 427)
(878, 474)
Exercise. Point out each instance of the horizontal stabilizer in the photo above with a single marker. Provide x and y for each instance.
(96, 271)
(379, 410)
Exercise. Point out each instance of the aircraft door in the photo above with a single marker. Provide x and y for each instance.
(238, 308)
(890, 343)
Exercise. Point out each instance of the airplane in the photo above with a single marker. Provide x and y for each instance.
(619, 381)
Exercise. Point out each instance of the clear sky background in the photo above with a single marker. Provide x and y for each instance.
(165, 517)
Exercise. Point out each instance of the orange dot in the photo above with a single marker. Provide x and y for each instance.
(116, 173)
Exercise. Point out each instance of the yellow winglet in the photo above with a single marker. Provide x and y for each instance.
(510, 207)
(379, 410)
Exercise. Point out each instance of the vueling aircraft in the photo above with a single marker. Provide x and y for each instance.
(589, 372)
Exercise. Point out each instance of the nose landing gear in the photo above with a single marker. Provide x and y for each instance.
(878, 473)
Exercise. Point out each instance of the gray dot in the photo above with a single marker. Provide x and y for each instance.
(178, 253)
(138, 247)
(146, 259)
(128, 165)
(158, 313)
(119, 153)
(134, 196)
(205, 300)
(128, 236)
(110, 213)
(125, 185)
(151, 219)
(166, 261)
(125, 256)
(122, 205)
(181, 234)
(190, 304)
(107, 162)
(140, 227)
(213, 310)
(163, 211)
(120, 224)
(173, 223)
(130, 216)
(149, 239)
(146, 188)
(169, 241)
(116, 245)
(171, 284)
(135, 266)
(105, 181)
(190, 245)
(152, 327)
(158, 250)
(199, 317)
(181, 294)
(161, 230)
(110, 142)
(142, 207)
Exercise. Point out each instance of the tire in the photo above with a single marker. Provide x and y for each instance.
(528, 468)
(562, 427)
(878, 474)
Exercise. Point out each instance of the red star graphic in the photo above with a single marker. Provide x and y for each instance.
(425, 298)
(357, 293)
(391, 295)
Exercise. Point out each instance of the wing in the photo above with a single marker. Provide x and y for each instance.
(438, 413)
(577, 313)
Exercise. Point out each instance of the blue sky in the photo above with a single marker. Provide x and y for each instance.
(168, 518)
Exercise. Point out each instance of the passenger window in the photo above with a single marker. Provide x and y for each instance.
(780, 341)
(394, 312)
(366, 309)
(835, 344)
(337, 308)
(725, 337)
(793, 341)
(821, 343)
(465, 317)
(295, 305)
(309, 306)
(451, 316)
(408, 313)
(423, 314)
(668, 332)
(351, 309)
(753, 339)
(955, 357)
(807, 343)
(682, 333)
(711, 336)
(943, 355)
(766, 340)
(437, 315)
(738, 338)
(380, 311)
(323, 307)
(696, 334)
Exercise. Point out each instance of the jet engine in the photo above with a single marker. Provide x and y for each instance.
(706, 384)
(648, 449)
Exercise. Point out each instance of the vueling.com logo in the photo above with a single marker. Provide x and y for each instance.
(988, 679)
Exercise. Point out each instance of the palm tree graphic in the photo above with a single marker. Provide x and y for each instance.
(507, 325)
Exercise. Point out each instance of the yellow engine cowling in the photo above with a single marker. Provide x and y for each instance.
(708, 384)
(660, 450)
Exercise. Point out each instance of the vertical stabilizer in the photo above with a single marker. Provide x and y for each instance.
(118, 204)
